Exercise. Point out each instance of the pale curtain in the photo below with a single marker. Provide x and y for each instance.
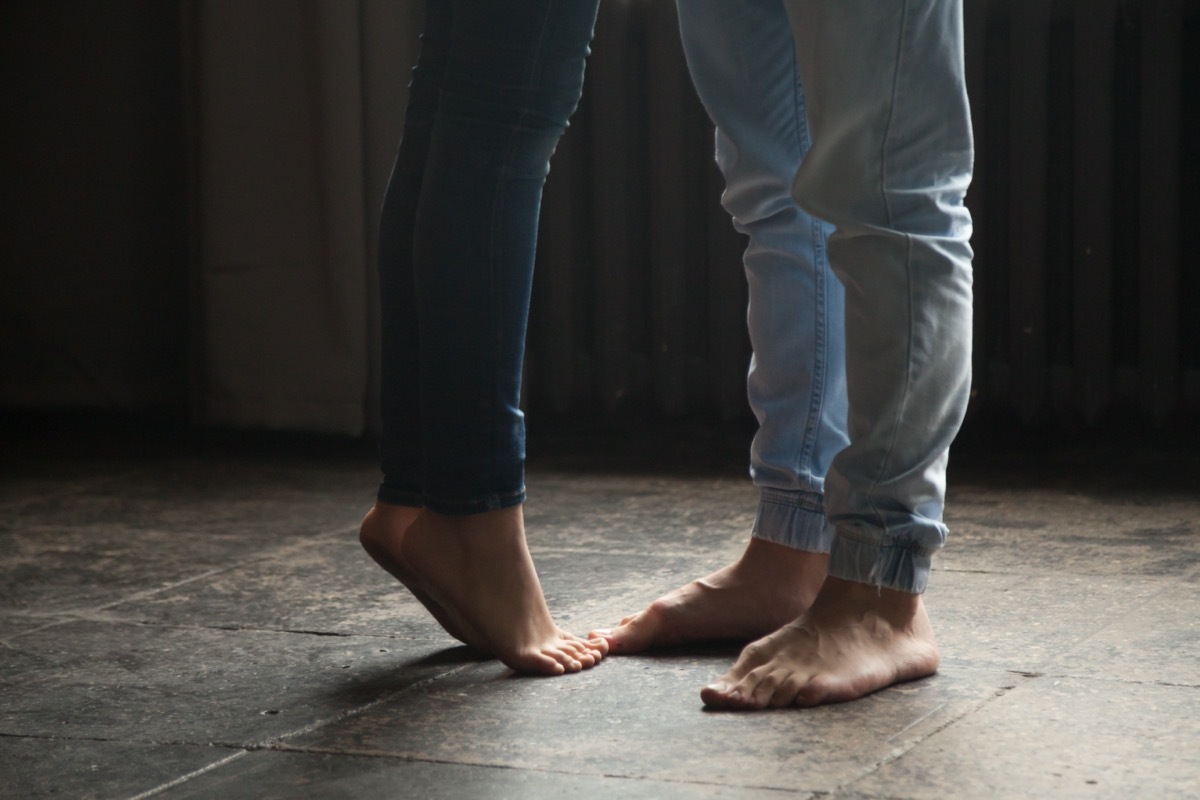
(296, 108)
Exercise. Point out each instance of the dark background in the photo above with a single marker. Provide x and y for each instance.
(1086, 202)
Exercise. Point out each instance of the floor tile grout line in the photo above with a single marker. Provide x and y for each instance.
(274, 743)
(81, 617)
(146, 593)
(1167, 585)
(384, 755)
(910, 726)
(1067, 676)
(85, 613)
(538, 549)
(88, 614)
(1040, 675)
(997, 696)
(898, 753)
(1160, 584)
(263, 629)
(41, 737)
(279, 743)
(182, 779)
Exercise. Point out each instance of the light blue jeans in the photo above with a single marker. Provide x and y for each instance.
(844, 135)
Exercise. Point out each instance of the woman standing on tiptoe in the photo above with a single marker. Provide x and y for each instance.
(491, 94)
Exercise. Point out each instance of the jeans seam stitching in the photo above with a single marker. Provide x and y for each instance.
(883, 166)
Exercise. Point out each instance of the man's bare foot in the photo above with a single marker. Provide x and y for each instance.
(477, 573)
(856, 639)
(381, 535)
(768, 586)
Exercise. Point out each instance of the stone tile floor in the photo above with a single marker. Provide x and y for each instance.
(189, 615)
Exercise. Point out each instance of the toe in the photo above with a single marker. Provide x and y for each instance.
(817, 690)
(761, 685)
(725, 693)
(580, 652)
(786, 692)
(640, 633)
(753, 655)
(565, 658)
(543, 663)
(592, 655)
(715, 694)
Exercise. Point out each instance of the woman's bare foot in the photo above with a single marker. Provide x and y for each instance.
(477, 573)
(767, 587)
(381, 535)
(856, 639)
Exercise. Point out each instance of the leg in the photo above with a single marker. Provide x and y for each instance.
(889, 167)
(743, 62)
(401, 425)
(492, 94)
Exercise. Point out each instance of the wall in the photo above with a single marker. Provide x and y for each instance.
(1086, 204)
(93, 240)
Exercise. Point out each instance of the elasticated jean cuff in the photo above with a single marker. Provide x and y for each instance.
(896, 565)
(793, 519)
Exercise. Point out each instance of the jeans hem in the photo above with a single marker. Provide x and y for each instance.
(453, 508)
(399, 497)
(899, 566)
(794, 519)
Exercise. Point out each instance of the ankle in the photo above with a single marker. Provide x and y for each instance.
(384, 521)
(392, 512)
(897, 608)
(776, 567)
(486, 528)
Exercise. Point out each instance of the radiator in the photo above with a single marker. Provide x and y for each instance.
(1085, 200)
(1086, 209)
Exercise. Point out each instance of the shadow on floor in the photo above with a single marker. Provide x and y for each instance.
(187, 613)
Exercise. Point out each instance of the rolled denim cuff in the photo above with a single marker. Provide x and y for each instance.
(793, 519)
(887, 562)
(493, 501)
(451, 507)
(399, 497)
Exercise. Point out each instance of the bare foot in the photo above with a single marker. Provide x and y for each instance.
(768, 586)
(477, 572)
(856, 639)
(381, 535)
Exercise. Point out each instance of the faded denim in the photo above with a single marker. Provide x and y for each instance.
(844, 136)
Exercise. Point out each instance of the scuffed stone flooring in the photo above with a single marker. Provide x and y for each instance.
(189, 615)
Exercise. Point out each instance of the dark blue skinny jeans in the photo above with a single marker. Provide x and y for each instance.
(491, 94)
